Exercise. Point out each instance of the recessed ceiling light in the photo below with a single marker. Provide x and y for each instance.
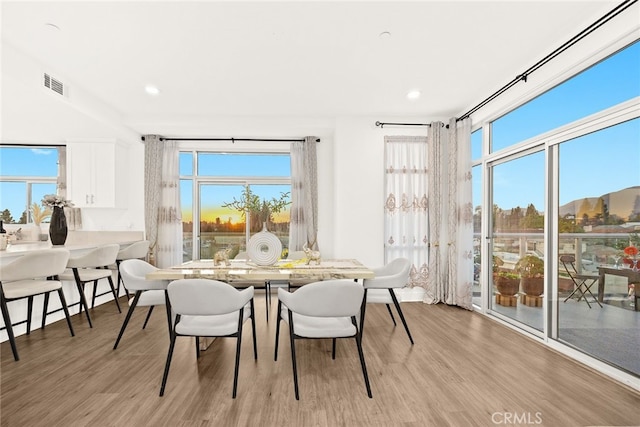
(385, 35)
(152, 90)
(413, 94)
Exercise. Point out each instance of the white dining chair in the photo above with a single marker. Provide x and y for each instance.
(381, 289)
(136, 250)
(92, 266)
(326, 309)
(147, 293)
(34, 273)
(209, 308)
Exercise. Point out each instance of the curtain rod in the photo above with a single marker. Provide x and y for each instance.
(382, 125)
(523, 76)
(233, 140)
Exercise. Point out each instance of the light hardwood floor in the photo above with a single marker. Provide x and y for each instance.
(464, 370)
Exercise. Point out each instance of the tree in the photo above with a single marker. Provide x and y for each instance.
(532, 219)
(23, 218)
(259, 210)
(6, 217)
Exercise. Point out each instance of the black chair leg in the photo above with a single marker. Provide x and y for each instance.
(363, 308)
(146, 319)
(333, 349)
(168, 363)
(362, 362)
(391, 314)
(238, 347)
(29, 313)
(404, 322)
(127, 317)
(278, 319)
(83, 302)
(253, 330)
(197, 347)
(45, 308)
(95, 291)
(167, 305)
(115, 294)
(293, 356)
(9, 326)
(63, 301)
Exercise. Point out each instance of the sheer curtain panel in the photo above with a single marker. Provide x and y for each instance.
(163, 220)
(405, 209)
(304, 195)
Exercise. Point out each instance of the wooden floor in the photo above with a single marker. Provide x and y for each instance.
(464, 370)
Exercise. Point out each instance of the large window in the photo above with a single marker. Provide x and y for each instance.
(26, 175)
(230, 197)
(567, 192)
(604, 85)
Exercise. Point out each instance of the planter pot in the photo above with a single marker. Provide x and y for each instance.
(533, 286)
(58, 227)
(507, 286)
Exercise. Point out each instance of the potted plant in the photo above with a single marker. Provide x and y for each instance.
(531, 270)
(507, 282)
(39, 214)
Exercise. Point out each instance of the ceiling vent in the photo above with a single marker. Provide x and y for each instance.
(54, 84)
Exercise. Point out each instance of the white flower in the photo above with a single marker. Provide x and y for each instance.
(53, 200)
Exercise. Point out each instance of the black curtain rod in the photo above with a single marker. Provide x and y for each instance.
(233, 140)
(382, 125)
(523, 76)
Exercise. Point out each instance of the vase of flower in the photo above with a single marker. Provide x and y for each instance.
(58, 225)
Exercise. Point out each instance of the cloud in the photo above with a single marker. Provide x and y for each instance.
(42, 152)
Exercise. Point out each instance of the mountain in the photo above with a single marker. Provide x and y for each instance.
(623, 203)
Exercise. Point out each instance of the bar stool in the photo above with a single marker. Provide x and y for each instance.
(27, 277)
(91, 267)
(137, 250)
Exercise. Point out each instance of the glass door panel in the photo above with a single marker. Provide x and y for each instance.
(517, 239)
(599, 200)
(220, 227)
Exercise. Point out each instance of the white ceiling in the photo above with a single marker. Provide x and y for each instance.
(298, 58)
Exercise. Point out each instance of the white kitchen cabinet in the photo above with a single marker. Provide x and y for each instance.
(94, 174)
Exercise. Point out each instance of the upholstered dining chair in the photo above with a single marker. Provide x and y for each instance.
(136, 250)
(209, 308)
(34, 273)
(147, 293)
(91, 267)
(381, 289)
(324, 309)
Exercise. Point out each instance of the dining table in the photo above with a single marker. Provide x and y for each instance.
(633, 276)
(242, 271)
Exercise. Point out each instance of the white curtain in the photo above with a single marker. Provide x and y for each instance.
(451, 213)
(460, 215)
(163, 220)
(303, 226)
(436, 287)
(405, 209)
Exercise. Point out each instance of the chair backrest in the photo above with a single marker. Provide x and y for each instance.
(569, 264)
(134, 271)
(135, 250)
(205, 297)
(395, 274)
(98, 257)
(328, 298)
(36, 264)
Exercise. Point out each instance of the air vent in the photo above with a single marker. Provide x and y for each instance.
(55, 85)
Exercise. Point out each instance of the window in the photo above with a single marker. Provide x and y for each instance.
(569, 188)
(215, 212)
(26, 175)
(607, 83)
